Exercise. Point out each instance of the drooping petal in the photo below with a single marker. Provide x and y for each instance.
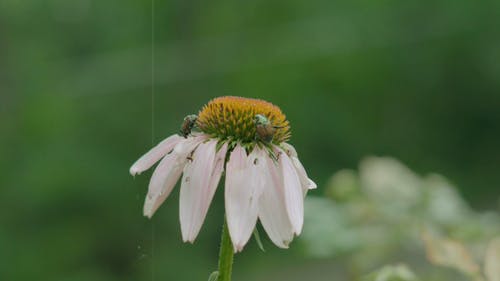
(305, 181)
(289, 149)
(272, 210)
(199, 183)
(162, 182)
(167, 174)
(187, 146)
(294, 200)
(155, 154)
(220, 160)
(242, 191)
(311, 184)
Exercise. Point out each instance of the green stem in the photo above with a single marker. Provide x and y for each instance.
(225, 255)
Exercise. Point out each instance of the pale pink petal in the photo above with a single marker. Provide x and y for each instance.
(199, 183)
(162, 182)
(242, 191)
(187, 146)
(155, 154)
(289, 149)
(220, 160)
(294, 200)
(311, 184)
(305, 181)
(167, 174)
(272, 210)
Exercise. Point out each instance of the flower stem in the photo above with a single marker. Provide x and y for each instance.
(225, 255)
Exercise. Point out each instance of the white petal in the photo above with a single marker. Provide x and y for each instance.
(187, 146)
(199, 183)
(272, 210)
(311, 185)
(294, 200)
(305, 181)
(220, 160)
(194, 189)
(289, 149)
(162, 182)
(155, 154)
(242, 191)
(167, 174)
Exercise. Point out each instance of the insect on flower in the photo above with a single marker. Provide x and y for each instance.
(188, 125)
(258, 185)
(264, 128)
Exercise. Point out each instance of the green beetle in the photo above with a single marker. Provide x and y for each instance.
(188, 125)
(264, 129)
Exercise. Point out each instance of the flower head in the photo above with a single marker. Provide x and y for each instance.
(264, 179)
(233, 119)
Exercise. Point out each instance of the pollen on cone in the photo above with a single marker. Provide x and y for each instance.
(232, 118)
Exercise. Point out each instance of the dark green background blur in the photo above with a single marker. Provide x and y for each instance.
(416, 80)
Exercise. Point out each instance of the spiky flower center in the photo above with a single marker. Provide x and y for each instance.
(233, 119)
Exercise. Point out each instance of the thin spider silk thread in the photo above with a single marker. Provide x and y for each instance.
(152, 124)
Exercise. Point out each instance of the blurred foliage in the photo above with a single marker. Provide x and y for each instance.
(387, 213)
(392, 273)
(492, 261)
(414, 79)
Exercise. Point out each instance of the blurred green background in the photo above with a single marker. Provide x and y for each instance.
(416, 80)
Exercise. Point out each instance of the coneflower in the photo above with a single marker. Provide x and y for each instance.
(264, 179)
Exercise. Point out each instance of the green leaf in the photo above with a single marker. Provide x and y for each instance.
(257, 239)
(214, 276)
